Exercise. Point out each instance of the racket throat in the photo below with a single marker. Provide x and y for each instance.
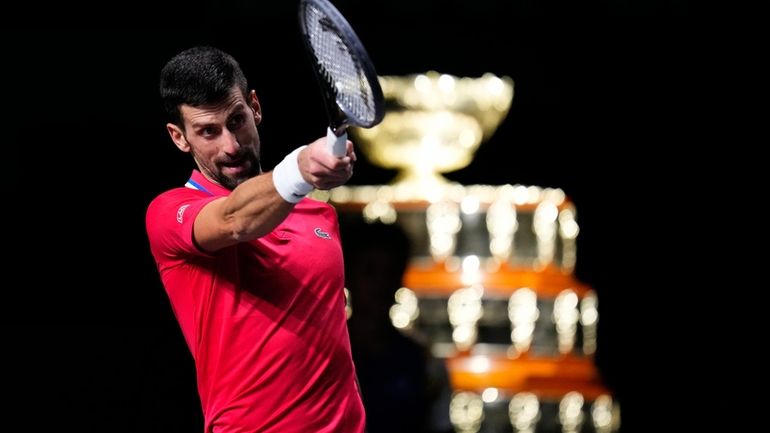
(339, 129)
(338, 121)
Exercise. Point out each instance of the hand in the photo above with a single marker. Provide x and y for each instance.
(322, 169)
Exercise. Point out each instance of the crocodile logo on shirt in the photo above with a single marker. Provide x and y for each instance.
(321, 234)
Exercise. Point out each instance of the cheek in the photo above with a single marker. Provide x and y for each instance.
(249, 135)
(206, 152)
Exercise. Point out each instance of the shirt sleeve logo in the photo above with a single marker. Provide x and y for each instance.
(321, 234)
(180, 213)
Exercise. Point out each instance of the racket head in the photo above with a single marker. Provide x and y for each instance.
(345, 73)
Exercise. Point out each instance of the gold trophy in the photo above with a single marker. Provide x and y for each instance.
(490, 284)
(434, 124)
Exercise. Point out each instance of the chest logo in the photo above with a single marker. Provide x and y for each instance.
(321, 234)
(180, 213)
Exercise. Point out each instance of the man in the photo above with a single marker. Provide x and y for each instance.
(254, 270)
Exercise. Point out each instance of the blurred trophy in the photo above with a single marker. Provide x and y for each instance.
(434, 124)
(490, 285)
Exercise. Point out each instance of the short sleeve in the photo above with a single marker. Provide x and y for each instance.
(169, 222)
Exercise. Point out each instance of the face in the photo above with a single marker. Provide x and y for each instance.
(222, 138)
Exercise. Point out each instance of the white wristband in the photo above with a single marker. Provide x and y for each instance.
(288, 180)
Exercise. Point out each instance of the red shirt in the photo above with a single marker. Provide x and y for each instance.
(264, 320)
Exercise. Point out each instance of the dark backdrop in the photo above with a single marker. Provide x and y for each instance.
(599, 105)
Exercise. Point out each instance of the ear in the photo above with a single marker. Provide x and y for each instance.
(177, 136)
(254, 102)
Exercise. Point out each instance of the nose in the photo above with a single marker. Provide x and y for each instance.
(230, 145)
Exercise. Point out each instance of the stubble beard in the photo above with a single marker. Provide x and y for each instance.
(230, 183)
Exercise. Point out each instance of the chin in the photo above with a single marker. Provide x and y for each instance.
(232, 182)
(233, 179)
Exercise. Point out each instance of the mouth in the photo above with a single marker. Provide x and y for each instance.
(235, 168)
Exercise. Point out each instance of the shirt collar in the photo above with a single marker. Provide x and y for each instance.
(198, 181)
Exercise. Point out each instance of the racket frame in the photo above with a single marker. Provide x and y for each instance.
(339, 117)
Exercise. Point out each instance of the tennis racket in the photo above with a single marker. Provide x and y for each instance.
(348, 81)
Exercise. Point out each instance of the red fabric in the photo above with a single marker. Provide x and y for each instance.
(264, 320)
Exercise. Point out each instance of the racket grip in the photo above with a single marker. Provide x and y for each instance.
(336, 145)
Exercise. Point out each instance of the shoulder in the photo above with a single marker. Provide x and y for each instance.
(171, 194)
(174, 197)
(169, 222)
(175, 205)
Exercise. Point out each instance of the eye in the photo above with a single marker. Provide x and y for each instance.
(209, 131)
(236, 122)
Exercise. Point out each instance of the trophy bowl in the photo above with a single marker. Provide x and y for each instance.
(434, 123)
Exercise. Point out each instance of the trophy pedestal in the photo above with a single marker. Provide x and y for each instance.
(490, 289)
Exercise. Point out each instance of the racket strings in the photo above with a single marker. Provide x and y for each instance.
(339, 66)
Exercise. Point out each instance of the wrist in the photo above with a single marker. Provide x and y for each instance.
(288, 179)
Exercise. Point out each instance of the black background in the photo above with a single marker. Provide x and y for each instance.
(599, 108)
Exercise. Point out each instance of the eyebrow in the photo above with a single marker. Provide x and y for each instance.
(238, 108)
(197, 125)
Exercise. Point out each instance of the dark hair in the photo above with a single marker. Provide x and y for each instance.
(199, 76)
